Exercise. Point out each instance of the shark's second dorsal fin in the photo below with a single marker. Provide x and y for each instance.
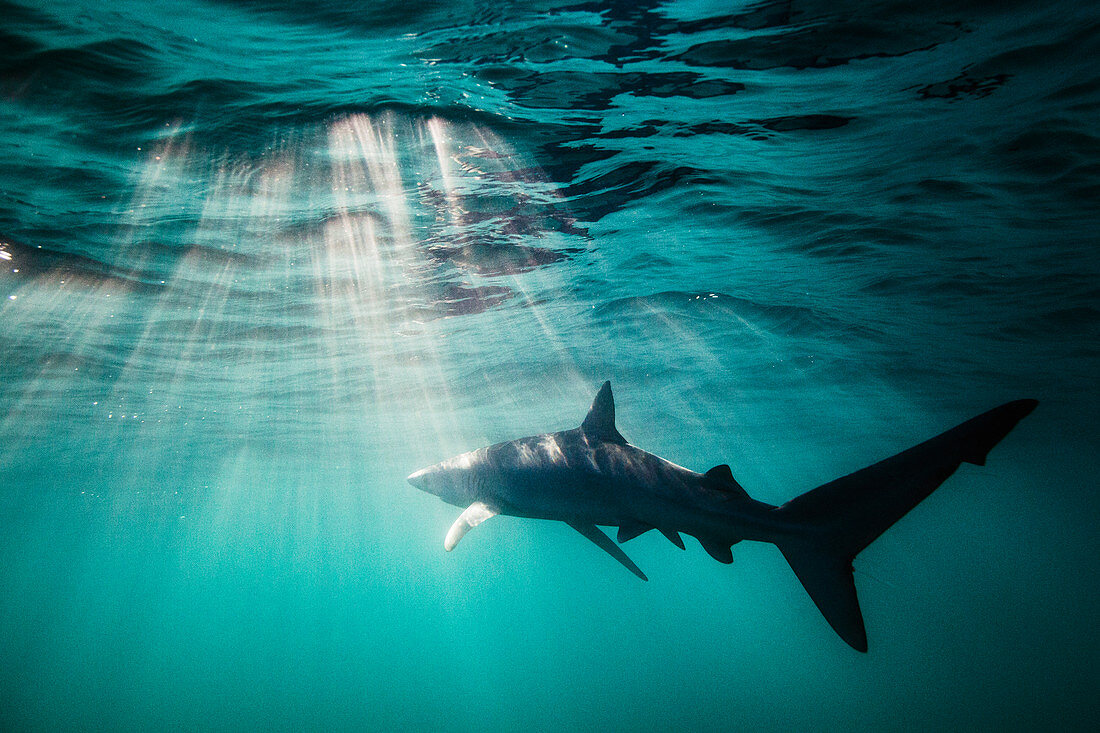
(721, 478)
(600, 423)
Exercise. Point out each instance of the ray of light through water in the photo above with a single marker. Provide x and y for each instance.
(259, 261)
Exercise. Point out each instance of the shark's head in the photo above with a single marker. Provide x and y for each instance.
(455, 480)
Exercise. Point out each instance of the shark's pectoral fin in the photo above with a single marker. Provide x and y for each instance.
(474, 515)
(605, 543)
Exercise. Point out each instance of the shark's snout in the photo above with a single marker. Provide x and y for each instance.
(448, 482)
(416, 478)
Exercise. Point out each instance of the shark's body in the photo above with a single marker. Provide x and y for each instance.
(591, 476)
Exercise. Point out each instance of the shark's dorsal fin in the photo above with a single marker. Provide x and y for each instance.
(600, 423)
(474, 515)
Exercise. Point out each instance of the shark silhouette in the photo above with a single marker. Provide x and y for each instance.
(591, 476)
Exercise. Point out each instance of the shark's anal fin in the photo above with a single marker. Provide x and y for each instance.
(674, 537)
(605, 543)
(720, 551)
(599, 425)
(474, 515)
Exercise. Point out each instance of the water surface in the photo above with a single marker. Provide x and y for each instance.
(261, 260)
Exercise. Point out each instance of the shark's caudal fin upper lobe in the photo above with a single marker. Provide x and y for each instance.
(844, 516)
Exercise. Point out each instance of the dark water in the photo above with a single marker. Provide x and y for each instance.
(262, 259)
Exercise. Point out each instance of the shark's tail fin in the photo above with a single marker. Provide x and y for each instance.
(844, 516)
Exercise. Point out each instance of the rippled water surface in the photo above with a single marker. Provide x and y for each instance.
(261, 260)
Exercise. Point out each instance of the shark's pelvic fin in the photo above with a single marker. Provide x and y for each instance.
(629, 530)
(474, 515)
(600, 423)
(605, 543)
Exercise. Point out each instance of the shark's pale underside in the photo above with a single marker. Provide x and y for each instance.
(591, 476)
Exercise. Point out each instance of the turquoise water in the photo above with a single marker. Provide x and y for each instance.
(262, 260)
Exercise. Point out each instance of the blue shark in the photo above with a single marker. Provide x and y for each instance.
(590, 476)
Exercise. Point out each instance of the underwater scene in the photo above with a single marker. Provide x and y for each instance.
(263, 261)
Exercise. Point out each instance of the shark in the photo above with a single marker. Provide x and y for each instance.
(590, 477)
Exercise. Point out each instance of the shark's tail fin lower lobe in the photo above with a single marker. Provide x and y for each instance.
(844, 516)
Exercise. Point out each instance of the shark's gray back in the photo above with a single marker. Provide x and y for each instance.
(573, 472)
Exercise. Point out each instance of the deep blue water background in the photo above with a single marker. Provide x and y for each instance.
(261, 260)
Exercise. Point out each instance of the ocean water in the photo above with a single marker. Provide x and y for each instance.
(263, 259)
